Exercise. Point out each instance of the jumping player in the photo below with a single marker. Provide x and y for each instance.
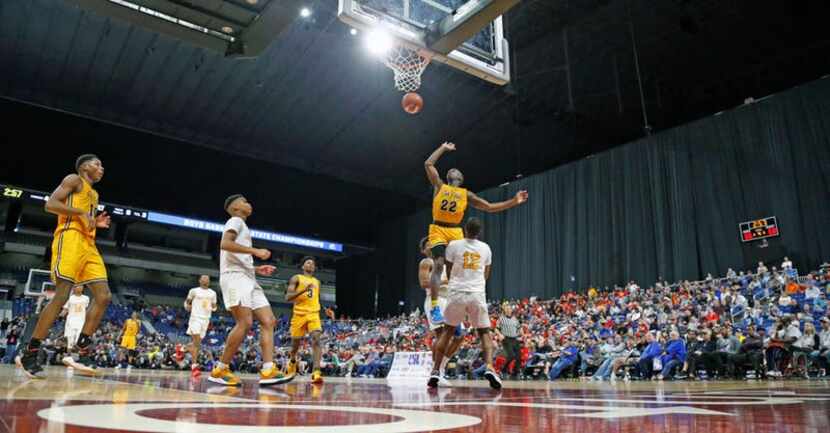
(75, 311)
(304, 291)
(129, 337)
(243, 297)
(468, 261)
(449, 204)
(424, 275)
(201, 302)
(75, 261)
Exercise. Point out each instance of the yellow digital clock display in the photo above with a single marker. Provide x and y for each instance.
(12, 192)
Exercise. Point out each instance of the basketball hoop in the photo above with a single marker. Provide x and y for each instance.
(408, 65)
(45, 297)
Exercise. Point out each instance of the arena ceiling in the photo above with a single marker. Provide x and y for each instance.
(315, 101)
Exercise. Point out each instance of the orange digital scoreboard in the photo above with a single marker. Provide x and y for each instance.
(758, 229)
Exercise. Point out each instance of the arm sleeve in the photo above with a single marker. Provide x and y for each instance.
(233, 224)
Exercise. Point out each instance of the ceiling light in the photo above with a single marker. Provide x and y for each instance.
(353, 32)
(227, 29)
(305, 12)
(252, 2)
(379, 42)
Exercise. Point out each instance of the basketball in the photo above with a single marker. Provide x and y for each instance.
(412, 103)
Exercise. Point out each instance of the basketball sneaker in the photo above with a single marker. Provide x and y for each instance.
(291, 370)
(317, 377)
(223, 376)
(273, 376)
(443, 382)
(195, 372)
(434, 379)
(436, 316)
(493, 378)
(30, 364)
(85, 364)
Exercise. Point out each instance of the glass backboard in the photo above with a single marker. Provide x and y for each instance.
(413, 23)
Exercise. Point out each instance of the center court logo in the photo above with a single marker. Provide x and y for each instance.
(127, 417)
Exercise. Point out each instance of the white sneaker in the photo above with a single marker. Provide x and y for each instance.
(434, 379)
(443, 382)
(493, 378)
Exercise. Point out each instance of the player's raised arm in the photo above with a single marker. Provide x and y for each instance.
(429, 164)
(425, 273)
(229, 244)
(57, 200)
(485, 206)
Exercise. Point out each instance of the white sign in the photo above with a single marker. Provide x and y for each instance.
(411, 365)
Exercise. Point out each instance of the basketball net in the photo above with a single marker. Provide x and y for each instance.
(408, 65)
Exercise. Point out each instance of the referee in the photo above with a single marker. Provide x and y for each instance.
(507, 329)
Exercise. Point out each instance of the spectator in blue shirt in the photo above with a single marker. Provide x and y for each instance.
(653, 349)
(674, 357)
(567, 358)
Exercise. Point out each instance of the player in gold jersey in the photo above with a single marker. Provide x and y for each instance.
(304, 291)
(75, 261)
(449, 203)
(129, 337)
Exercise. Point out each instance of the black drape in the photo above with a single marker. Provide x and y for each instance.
(355, 288)
(667, 205)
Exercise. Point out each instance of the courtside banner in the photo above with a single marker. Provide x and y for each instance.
(411, 365)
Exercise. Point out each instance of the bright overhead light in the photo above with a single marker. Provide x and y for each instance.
(379, 42)
(305, 12)
(353, 32)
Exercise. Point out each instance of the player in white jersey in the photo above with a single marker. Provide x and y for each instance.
(243, 297)
(424, 278)
(469, 261)
(75, 311)
(201, 302)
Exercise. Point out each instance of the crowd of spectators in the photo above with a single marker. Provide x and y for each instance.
(764, 323)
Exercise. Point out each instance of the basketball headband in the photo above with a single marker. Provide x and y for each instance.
(83, 159)
(231, 199)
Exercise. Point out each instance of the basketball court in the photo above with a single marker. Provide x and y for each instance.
(202, 71)
(160, 401)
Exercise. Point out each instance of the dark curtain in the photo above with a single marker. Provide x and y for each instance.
(355, 287)
(665, 206)
(366, 285)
